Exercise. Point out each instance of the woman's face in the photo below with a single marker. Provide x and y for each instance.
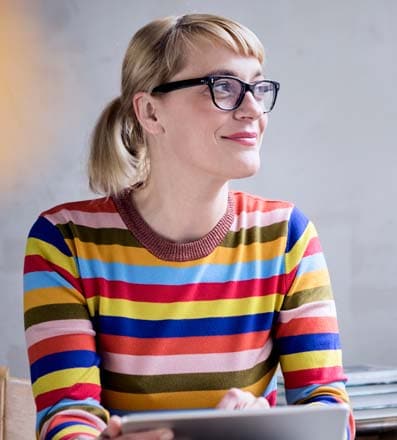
(200, 139)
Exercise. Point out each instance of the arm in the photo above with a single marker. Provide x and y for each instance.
(307, 335)
(60, 338)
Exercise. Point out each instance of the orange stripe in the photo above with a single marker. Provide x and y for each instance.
(58, 344)
(183, 345)
(304, 326)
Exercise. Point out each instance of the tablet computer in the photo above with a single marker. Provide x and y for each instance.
(301, 422)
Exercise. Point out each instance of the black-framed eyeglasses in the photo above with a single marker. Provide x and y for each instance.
(228, 92)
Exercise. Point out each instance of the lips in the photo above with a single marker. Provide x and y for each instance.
(242, 135)
(246, 138)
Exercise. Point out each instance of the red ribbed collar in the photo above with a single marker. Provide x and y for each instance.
(167, 249)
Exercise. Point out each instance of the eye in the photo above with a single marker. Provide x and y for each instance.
(222, 86)
(226, 87)
(262, 88)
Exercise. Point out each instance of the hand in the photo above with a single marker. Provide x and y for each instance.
(238, 399)
(113, 431)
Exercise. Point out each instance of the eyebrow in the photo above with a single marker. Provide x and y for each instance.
(222, 72)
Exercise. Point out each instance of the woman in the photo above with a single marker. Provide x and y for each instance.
(173, 291)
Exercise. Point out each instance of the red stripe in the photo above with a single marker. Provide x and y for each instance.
(301, 378)
(313, 247)
(77, 420)
(187, 292)
(100, 205)
(304, 326)
(272, 398)
(61, 343)
(250, 204)
(36, 263)
(79, 391)
(186, 345)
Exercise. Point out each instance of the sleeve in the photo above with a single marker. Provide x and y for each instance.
(307, 334)
(60, 337)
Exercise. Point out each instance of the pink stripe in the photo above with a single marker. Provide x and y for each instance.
(192, 363)
(45, 330)
(311, 310)
(90, 219)
(258, 218)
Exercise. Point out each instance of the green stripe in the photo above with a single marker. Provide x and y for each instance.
(54, 312)
(255, 234)
(124, 237)
(86, 234)
(188, 381)
(307, 296)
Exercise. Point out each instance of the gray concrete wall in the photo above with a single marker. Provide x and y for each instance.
(330, 145)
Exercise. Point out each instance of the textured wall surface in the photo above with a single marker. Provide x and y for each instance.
(330, 145)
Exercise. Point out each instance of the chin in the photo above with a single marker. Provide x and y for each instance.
(246, 171)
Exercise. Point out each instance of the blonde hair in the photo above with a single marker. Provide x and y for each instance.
(119, 155)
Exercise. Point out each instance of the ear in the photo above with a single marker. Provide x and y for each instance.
(145, 110)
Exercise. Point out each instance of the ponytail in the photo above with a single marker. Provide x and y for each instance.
(114, 163)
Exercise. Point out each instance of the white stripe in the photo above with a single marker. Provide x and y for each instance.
(62, 327)
(311, 310)
(191, 363)
(90, 219)
(258, 218)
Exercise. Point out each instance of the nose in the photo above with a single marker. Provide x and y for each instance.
(249, 108)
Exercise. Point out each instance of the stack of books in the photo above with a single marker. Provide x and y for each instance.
(373, 394)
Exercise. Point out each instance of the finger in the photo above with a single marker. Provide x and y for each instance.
(259, 402)
(113, 429)
(230, 399)
(245, 400)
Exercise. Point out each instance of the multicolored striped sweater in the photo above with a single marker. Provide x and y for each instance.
(119, 319)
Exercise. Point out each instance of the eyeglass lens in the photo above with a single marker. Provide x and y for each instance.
(228, 91)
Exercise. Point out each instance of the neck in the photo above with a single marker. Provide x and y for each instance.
(181, 212)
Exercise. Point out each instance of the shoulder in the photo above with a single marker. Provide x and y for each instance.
(271, 211)
(76, 211)
(248, 203)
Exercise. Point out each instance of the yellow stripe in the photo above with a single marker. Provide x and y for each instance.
(76, 428)
(317, 278)
(319, 358)
(49, 252)
(324, 390)
(294, 256)
(191, 309)
(65, 378)
(177, 400)
(52, 295)
(125, 255)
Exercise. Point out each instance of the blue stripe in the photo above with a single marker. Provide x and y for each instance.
(50, 434)
(185, 327)
(47, 232)
(43, 279)
(309, 342)
(296, 227)
(296, 394)
(324, 399)
(312, 263)
(206, 273)
(62, 361)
